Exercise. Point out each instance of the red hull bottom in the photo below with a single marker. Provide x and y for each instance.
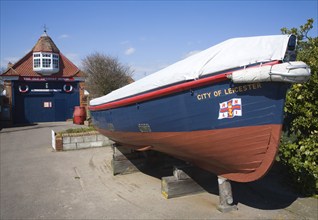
(241, 154)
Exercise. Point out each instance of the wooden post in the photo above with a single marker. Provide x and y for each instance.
(126, 160)
(180, 184)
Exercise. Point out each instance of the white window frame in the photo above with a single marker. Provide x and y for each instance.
(36, 62)
(49, 62)
(56, 61)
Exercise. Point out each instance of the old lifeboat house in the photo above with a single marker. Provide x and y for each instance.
(43, 86)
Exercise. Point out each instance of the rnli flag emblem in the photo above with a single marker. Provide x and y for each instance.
(230, 109)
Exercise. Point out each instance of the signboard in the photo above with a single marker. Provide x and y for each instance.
(53, 140)
(43, 79)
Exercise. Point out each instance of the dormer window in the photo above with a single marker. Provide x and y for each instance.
(36, 61)
(45, 63)
(55, 61)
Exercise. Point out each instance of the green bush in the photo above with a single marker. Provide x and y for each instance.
(299, 144)
(78, 130)
(300, 156)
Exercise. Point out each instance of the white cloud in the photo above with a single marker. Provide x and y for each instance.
(74, 58)
(124, 42)
(191, 53)
(64, 36)
(6, 60)
(189, 43)
(130, 51)
(145, 70)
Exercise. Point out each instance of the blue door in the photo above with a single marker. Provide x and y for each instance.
(60, 109)
(44, 102)
(39, 108)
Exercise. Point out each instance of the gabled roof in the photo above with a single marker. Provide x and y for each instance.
(24, 67)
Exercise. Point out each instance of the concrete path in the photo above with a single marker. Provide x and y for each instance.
(37, 183)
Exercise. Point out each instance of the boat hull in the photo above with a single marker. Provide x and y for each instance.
(241, 154)
(232, 130)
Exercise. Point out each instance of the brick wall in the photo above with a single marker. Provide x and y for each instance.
(80, 141)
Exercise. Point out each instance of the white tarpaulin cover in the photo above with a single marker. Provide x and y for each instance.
(233, 53)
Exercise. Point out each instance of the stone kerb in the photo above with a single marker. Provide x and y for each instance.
(75, 141)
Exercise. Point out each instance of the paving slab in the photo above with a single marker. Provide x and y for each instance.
(38, 183)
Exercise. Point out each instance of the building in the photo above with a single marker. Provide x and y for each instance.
(43, 86)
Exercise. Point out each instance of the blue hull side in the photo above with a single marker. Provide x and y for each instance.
(199, 109)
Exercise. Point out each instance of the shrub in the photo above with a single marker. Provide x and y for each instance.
(299, 144)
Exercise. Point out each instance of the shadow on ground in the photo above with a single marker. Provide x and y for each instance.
(271, 192)
(23, 126)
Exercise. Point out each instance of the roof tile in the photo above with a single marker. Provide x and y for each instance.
(45, 44)
(24, 67)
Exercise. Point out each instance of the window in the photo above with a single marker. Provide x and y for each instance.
(46, 55)
(47, 104)
(55, 61)
(45, 63)
(36, 63)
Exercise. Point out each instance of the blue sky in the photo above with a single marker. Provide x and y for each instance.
(146, 35)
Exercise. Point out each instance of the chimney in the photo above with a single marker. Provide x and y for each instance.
(10, 65)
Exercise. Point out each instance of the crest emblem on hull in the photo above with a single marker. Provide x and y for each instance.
(230, 108)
